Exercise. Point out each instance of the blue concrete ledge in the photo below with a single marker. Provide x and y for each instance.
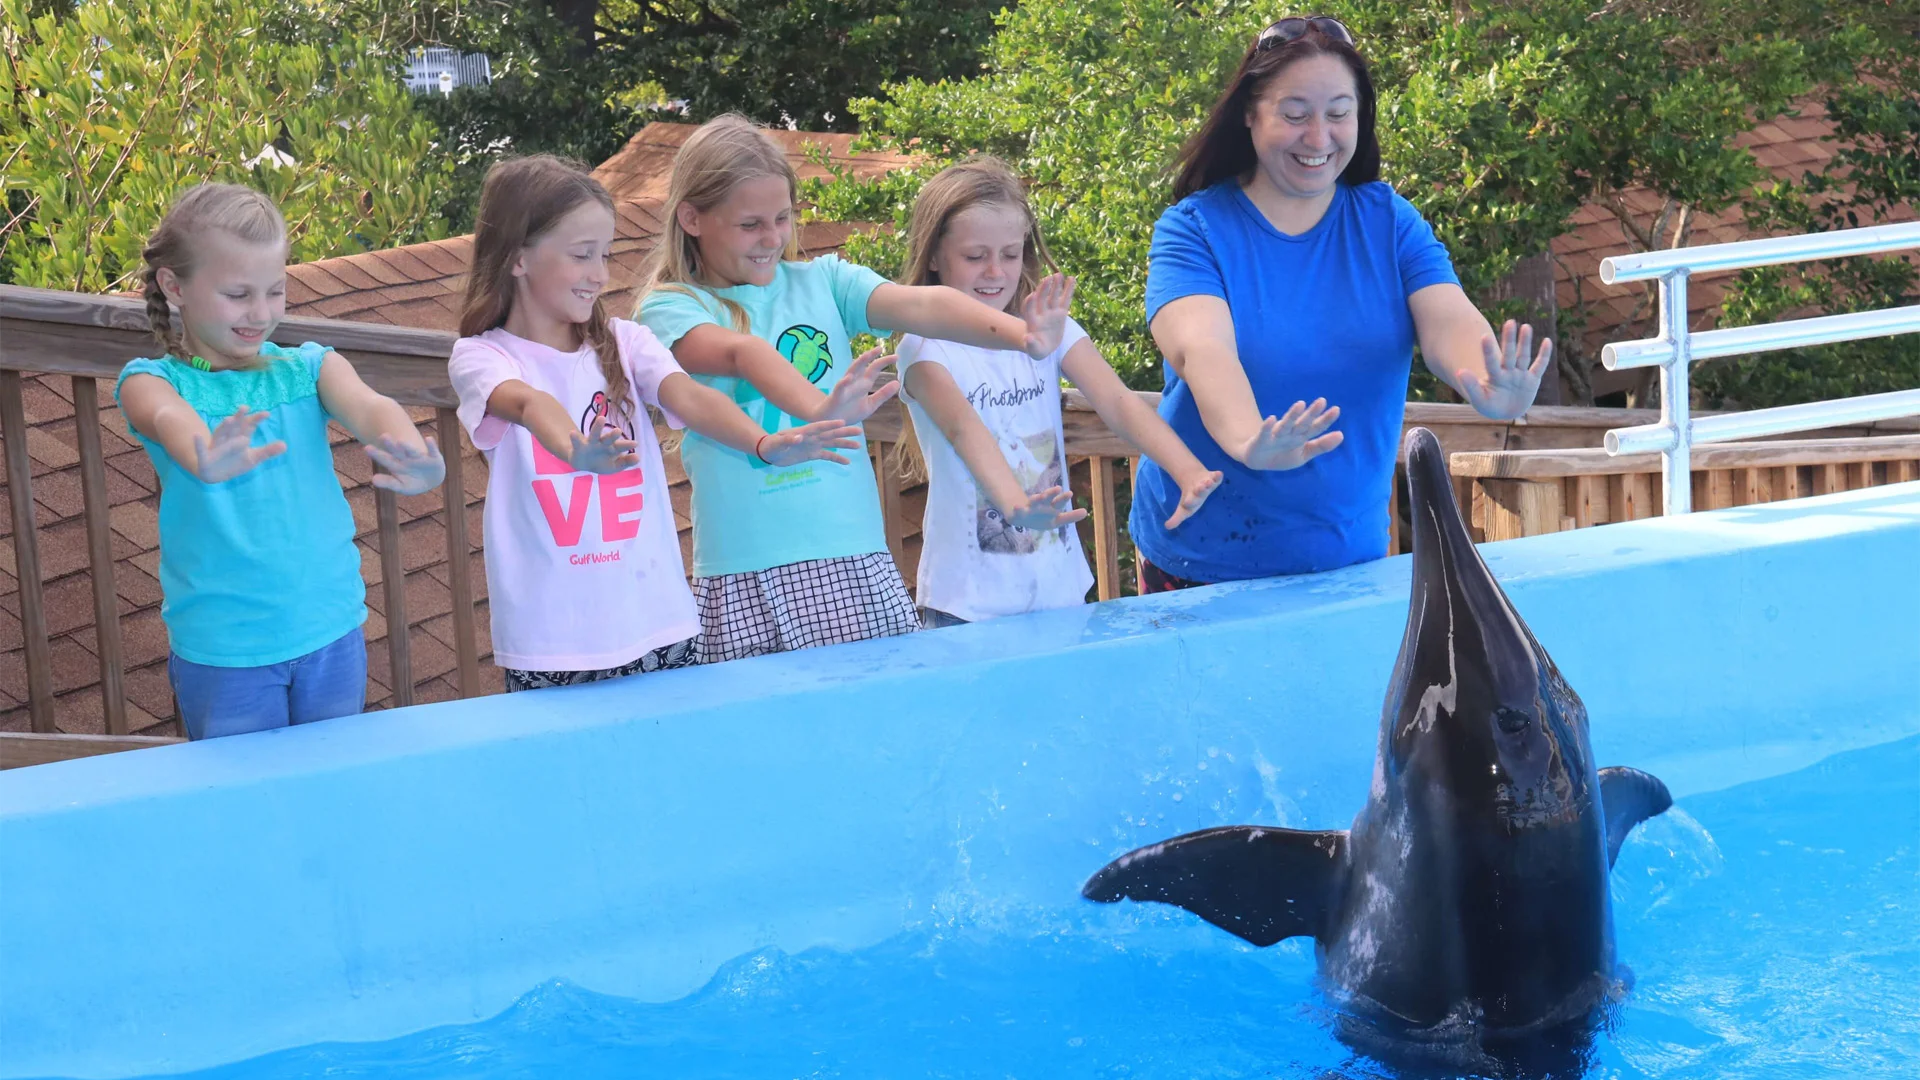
(362, 879)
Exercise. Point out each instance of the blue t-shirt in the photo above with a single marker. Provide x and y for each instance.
(749, 516)
(262, 568)
(1321, 314)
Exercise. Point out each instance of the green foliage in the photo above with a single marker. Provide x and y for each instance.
(117, 108)
(1874, 172)
(793, 62)
(1498, 125)
(549, 94)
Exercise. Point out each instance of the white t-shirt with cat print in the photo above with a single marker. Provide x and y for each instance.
(583, 570)
(973, 564)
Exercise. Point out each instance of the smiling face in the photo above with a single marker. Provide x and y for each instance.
(744, 237)
(1305, 124)
(232, 297)
(563, 271)
(983, 253)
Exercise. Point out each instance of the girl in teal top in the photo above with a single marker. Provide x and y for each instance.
(787, 558)
(263, 595)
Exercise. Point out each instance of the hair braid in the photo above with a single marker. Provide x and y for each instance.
(160, 313)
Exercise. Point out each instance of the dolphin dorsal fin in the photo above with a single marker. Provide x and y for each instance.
(1627, 798)
(1262, 884)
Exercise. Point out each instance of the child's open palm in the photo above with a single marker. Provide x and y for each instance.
(810, 442)
(607, 451)
(1045, 510)
(230, 450)
(1193, 495)
(1046, 314)
(409, 471)
(853, 398)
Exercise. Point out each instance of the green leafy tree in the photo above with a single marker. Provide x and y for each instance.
(794, 62)
(117, 107)
(1872, 177)
(1498, 123)
(551, 92)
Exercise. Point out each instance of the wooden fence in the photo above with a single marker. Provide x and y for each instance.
(1516, 477)
(1529, 492)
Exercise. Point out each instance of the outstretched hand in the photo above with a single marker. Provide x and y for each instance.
(1290, 441)
(1044, 510)
(810, 442)
(1193, 495)
(408, 471)
(853, 398)
(230, 450)
(607, 451)
(1511, 382)
(1046, 314)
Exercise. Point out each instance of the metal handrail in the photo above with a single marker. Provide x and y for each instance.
(1677, 347)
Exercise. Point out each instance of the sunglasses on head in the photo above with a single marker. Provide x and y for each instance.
(1293, 28)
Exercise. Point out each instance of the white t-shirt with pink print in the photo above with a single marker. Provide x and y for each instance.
(583, 570)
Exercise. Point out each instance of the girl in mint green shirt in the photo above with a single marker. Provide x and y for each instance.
(788, 558)
(263, 598)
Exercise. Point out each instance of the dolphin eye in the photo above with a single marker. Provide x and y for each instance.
(1512, 721)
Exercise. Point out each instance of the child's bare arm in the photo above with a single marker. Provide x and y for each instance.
(714, 415)
(715, 350)
(1135, 422)
(542, 414)
(413, 464)
(156, 410)
(935, 311)
(932, 386)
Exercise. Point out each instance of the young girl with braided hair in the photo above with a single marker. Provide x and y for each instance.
(263, 595)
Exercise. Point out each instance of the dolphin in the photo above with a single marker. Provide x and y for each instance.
(1465, 916)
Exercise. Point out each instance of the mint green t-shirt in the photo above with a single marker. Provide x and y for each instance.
(259, 569)
(748, 515)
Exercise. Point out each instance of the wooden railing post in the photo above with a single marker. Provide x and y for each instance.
(886, 463)
(26, 553)
(1106, 531)
(106, 597)
(466, 645)
(1139, 563)
(394, 584)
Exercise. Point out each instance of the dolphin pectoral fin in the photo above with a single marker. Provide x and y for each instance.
(1262, 884)
(1627, 798)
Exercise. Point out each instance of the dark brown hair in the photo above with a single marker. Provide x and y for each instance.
(1223, 147)
(520, 200)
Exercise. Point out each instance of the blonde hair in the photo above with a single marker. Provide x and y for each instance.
(982, 180)
(521, 199)
(724, 153)
(238, 211)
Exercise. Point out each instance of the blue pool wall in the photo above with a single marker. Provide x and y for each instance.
(362, 879)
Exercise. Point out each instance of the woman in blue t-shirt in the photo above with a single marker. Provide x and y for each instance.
(1288, 274)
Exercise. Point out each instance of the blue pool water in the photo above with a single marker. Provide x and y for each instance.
(1773, 929)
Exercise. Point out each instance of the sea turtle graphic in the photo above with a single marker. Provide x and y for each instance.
(806, 348)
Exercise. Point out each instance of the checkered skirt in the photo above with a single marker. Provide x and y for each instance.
(801, 605)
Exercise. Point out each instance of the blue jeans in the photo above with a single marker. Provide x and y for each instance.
(329, 681)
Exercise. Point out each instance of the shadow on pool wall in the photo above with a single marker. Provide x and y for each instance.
(367, 878)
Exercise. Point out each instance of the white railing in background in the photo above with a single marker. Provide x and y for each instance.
(1675, 350)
